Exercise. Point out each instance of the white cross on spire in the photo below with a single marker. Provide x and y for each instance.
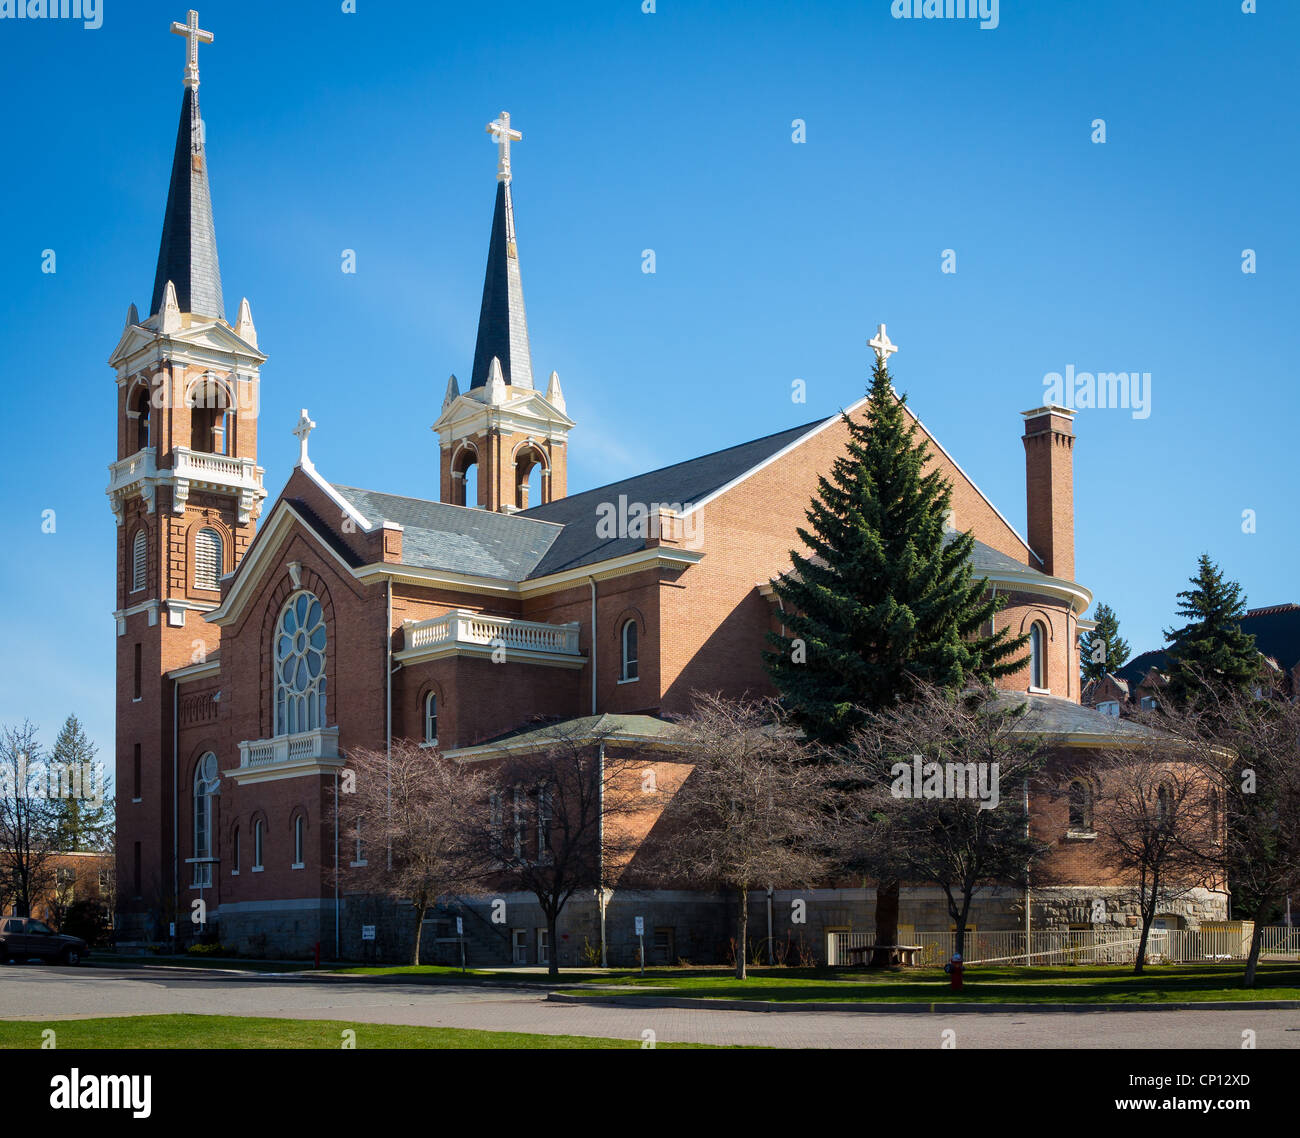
(194, 35)
(500, 130)
(883, 348)
(302, 430)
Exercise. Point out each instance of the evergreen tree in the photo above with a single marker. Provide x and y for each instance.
(82, 815)
(884, 600)
(1211, 647)
(1104, 650)
(885, 597)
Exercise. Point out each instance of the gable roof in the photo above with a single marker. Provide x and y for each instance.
(437, 535)
(682, 484)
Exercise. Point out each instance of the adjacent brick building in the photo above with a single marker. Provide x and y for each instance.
(257, 645)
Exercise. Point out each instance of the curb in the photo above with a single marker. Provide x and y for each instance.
(935, 1008)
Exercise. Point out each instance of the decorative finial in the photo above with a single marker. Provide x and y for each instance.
(302, 430)
(194, 35)
(500, 131)
(883, 348)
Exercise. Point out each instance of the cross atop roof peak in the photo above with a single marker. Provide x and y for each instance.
(504, 135)
(194, 35)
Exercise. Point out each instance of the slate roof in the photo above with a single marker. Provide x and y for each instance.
(457, 538)
(502, 324)
(562, 534)
(584, 728)
(1136, 669)
(682, 483)
(1045, 715)
(187, 254)
(1055, 715)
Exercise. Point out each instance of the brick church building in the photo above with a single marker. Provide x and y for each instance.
(257, 643)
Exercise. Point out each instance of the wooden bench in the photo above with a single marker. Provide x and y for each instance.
(904, 954)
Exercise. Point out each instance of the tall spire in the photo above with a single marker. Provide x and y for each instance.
(187, 255)
(502, 325)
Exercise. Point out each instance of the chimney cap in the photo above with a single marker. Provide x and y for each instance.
(1049, 409)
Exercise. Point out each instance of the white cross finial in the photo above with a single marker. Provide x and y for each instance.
(883, 348)
(504, 136)
(302, 430)
(194, 35)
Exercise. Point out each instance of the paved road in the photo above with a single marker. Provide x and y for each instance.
(46, 992)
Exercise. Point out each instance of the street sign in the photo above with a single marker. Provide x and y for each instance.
(640, 926)
(367, 932)
(460, 926)
(173, 929)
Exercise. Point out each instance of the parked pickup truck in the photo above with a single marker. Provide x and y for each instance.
(23, 937)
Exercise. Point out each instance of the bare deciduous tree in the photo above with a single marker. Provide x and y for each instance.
(753, 813)
(938, 792)
(1248, 749)
(422, 807)
(1157, 817)
(27, 819)
(563, 818)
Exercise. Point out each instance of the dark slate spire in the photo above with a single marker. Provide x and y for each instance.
(502, 326)
(188, 254)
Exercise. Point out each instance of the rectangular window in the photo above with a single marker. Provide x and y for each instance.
(135, 764)
(234, 869)
(257, 845)
(520, 942)
(543, 946)
(543, 823)
(138, 673)
(103, 882)
(297, 840)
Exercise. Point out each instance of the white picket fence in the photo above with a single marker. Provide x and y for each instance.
(1083, 946)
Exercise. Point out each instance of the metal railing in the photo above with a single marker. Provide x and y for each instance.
(1085, 946)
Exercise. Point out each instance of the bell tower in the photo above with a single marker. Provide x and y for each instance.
(185, 490)
(502, 428)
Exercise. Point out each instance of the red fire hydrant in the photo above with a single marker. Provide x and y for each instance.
(953, 968)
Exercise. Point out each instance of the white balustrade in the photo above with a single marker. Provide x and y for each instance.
(318, 745)
(462, 627)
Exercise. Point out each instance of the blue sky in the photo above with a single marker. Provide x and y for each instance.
(775, 261)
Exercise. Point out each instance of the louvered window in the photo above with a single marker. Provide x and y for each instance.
(207, 559)
(139, 561)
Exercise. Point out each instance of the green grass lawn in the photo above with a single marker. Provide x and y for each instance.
(224, 1032)
(1099, 985)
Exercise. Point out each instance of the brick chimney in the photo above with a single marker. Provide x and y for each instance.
(1049, 487)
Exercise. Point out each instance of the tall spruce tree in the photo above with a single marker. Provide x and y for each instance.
(1104, 650)
(82, 812)
(883, 598)
(1210, 647)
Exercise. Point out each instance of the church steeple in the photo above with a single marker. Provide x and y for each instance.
(187, 255)
(501, 431)
(502, 324)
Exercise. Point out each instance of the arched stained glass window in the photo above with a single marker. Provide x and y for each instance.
(300, 666)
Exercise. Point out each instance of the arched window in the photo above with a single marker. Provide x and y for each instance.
(208, 406)
(298, 835)
(300, 666)
(205, 786)
(530, 468)
(207, 559)
(629, 670)
(234, 852)
(431, 717)
(139, 561)
(464, 477)
(1164, 808)
(257, 844)
(1080, 807)
(142, 410)
(1037, 656)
